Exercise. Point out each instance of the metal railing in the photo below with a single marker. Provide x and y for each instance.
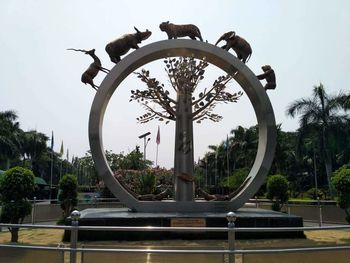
(230, 252)
(320, 212)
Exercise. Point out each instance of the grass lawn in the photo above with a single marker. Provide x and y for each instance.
(50, 237)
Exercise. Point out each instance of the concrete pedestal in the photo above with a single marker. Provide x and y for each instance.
(246, 217)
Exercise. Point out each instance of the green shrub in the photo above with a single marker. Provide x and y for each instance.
(236, 179)
(16, 186)
(341, 183)
(147, 183)
(277, 191)
(68, 194)
(313, 193)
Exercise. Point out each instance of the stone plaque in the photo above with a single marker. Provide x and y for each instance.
(188, 222)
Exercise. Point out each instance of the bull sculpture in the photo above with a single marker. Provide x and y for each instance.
(122, 45)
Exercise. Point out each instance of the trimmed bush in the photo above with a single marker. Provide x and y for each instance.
(16, 186)
(341, 183)
(68, 194)
(277, 191)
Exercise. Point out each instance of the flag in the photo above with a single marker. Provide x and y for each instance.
(61, 150)
(52, 141)
(158, 136)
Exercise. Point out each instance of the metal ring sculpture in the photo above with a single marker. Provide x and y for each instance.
(228, 63)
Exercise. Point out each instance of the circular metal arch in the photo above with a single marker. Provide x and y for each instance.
(216, 56)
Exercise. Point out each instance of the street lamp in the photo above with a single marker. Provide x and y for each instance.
(145, 142)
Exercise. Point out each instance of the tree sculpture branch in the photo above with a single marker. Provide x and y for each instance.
(216, 94)
(184, 75)
(155, 94)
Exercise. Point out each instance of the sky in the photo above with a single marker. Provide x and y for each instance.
(305, 42)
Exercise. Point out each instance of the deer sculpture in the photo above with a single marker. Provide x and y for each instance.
(92, 71)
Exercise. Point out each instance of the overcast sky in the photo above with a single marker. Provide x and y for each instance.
(306, 42)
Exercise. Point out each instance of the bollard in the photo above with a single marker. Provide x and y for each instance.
(33, 210)
(75, 215)
(231, 218)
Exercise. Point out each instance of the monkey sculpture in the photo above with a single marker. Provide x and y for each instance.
(270, 77)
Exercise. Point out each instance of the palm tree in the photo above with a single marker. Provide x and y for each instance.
(244, 145)
(33, 145)
(9, 136)
(344, 100)
(320, 115)
(285, 154)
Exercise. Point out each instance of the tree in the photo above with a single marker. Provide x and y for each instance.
(244, 144)
(9, 137)
(68, 195)
(33, 146)
(319, 116)
(341, 183)
(219, 162)
(16, 185)
(344, 100)
(277, 191)
(184, 76)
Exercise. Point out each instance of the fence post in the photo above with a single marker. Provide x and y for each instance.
(256, 202)
(75, 215)
(95, 201)
(33, 210)
(288, 208)
(320, 219)
(231, 218)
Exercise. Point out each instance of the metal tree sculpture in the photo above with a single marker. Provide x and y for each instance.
(184, 75)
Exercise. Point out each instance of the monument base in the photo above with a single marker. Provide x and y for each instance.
(246, 217)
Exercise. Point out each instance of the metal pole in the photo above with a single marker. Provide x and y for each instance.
(144, 136)
(33, 210)
(95, 201)
(206, 172)
(320, 219)
(231, 218)
(256, 202)
(51, 174)
(144, 149)
(157, 156)
(228, 161)
(61, 169)
(75, 215)
(315, 174)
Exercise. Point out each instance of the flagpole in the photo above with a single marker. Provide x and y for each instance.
(157, 156)
(61, 154)
(51, 172)
(228, 163)
(158, 142)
